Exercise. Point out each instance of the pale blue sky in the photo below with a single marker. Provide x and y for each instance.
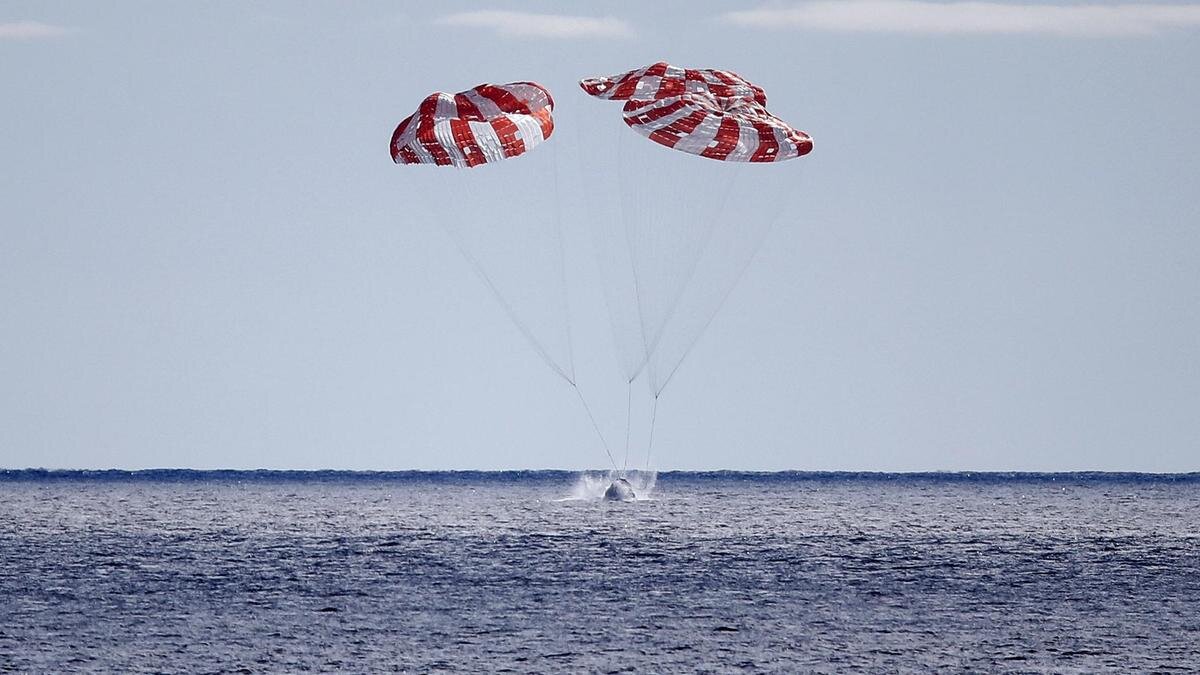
(205, 259)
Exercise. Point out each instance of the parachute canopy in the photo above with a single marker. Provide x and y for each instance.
(662, 80)
(730, 129)
(485, 124)
(712, 113)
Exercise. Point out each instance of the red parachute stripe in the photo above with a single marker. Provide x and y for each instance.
(506, 131)
(681, 127)
(464, 138)
(545, 121)
(427, 135)
(408, 156)
(768, 147)
(725, 141)
(466, 109)
(504, 99)
(625, 89)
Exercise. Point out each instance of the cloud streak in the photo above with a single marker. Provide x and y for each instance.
(531, 25)
(948, 18)
(31, 30)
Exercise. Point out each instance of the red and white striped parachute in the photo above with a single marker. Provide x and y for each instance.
(662, 80)
(488, 123)
(730, 129)
(711, 113)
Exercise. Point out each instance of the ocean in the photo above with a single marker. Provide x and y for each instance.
(530, 572)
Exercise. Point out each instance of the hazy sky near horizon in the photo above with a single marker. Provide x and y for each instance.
(993, 262)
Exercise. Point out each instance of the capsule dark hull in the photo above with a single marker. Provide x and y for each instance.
(620, 491)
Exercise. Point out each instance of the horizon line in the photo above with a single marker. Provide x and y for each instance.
(944, 473)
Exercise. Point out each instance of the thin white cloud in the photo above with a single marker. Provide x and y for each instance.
(31, 30)
(916, 16)
(530, 25)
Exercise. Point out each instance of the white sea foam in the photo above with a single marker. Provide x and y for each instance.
(590, 485)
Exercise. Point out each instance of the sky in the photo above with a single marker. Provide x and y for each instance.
(207, 258)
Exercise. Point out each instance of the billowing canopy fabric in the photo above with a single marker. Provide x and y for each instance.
(722, 128)
(702, 111)
(663, 80)
(485, 124)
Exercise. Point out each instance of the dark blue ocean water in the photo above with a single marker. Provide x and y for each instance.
(528, 572)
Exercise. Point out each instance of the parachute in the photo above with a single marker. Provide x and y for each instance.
(684, 235)
(487, 123)
(662, 80)
(711, 113)
(673, 235)
(732, 129)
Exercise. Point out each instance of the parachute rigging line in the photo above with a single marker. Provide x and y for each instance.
(736, 280)
(690, 274)
(595, 426)
(569, 373)
(562, 270)
(533, 341)
(628, 416)
(512, 314)
(650, 444)
(562, 259)
(633, 265)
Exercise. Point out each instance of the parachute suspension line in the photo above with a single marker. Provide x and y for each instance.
(595, 426)
(650, 445)
(709, 230)
(512, 314)
(628, 416)
(627, 211)
(562, 262)
(736, 280)
(637, 293)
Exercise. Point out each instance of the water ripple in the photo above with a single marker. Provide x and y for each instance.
(267, 572)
